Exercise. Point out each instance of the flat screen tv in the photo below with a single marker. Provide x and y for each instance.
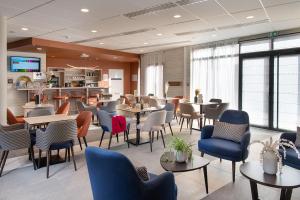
(25, 64)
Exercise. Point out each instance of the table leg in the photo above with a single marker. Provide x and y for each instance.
(205, 178)
(286, 193)
(201, 112)
(138, 115)
(254, 191)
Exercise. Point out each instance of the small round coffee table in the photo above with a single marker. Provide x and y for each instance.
(289, 179)
(195, 163)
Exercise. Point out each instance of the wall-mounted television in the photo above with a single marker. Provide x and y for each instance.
(25, 64)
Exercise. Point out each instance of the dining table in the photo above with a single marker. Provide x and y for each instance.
(48, 119)
(137, 112)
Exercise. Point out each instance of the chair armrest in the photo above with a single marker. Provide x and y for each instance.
(245, 143)
(291, 136)
(13, 127)
(161, 187)
(207, 132)
(16, 139)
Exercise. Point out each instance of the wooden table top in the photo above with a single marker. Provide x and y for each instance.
(138, 110)
(48, 118)
(195, 163)
(32, 105)
(290, 177)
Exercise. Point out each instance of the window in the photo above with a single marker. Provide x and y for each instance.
(287, 42)
(255, 46)
(214, 71)
(154, 80)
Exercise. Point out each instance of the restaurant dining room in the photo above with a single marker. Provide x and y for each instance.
(149, 99)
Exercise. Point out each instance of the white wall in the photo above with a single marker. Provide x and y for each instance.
(16, 99)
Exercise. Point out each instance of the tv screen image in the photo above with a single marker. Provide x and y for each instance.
(24, 64)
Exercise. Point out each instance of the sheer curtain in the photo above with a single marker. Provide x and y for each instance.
(214, 70)
(154, 75)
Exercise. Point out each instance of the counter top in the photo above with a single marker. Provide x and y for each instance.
(63, 88)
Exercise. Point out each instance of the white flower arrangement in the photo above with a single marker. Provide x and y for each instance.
(271, 145)
(38, 88)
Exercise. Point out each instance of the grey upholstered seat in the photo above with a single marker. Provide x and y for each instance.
(58, 135)
(169, 108)
(83, 107)
(110, 107)
(13, 137)
(215, 113)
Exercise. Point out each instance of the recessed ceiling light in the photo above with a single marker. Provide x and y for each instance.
(159, 34)
(85, 10)
(214, 35)
(250, 17)
(94, 31)
(115, 57)
(146, 43)
(177, 16)
(24, 29)
(39, 49)
(141, 50)
(101, 43)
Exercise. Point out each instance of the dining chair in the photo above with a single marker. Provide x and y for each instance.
(105, 121)
(169, 108)
(40, 112)
(60, 97)
(110, 107)
(64, 108)
(120, 110)
(14, 137)
(188, 112)
(12, 119)
(153, 103)
(176, 104)
(145, 99)
(215, 113)
(113, 177)
(83, 107)
(130, 98)
(152, 124)
(58, 135)
(83, 121)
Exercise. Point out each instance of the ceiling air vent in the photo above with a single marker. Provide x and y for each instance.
(189, 2)
(195, 32)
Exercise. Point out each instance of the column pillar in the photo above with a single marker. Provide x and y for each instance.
(3, 70)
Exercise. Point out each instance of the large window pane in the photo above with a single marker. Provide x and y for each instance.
(287, 42)
(255, 46)
(255, 93)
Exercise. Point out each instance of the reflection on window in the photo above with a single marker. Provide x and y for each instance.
(255, 46)
(287, 42)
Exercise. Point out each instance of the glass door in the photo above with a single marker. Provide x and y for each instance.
(255, 89)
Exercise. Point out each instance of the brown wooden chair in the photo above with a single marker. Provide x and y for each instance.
(12, 119)
(83, 123)
(64, 108)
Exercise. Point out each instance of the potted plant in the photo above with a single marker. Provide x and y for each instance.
(270, 156)
(197, 92)
(183, 150)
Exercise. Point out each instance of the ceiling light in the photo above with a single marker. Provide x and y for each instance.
(85, 10)
(146, 43)
(250, 17)
(101, 43)
(84, 55)
(213, 35)
(94, 31)
(177, 16)
(39, 49)
(159, 34)
(24, 29)
(141, 50)
(115, 57)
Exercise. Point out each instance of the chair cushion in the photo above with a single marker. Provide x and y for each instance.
(62, 145)
(143, 173)
(291, 158)
(227, 131)
(221, 148)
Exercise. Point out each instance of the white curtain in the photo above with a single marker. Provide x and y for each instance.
(214, 70)
(154, 75)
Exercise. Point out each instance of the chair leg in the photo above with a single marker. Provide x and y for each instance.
(3, 162)
(243, 161)
(220, 159)
(202, 154)
(48, 162)
(204, 121)
(150, 139)
(117, 135)
(181, 124)
(101, 138)
(164, 129)
(2, 157)
(162, 137)
(157, 135)
(85, 143)
(127, 139)
(233, 171)
(124, 136)
(187, 123)
(66, 154)
(198, 120)
(191, 126)
(79, 140)
(171, 129)
(69, 154)
(109, 140)
(72, 152)
(32, 157)
(57, 153)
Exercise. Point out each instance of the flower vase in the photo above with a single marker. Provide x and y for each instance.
(270, 162)
(37, 99)
(181, 156)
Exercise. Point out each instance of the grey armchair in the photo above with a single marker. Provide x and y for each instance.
(58, 135)
(83, 107)
(169, 108)
(215, 113)
(13, 137)
(188, 112)
(110, 107)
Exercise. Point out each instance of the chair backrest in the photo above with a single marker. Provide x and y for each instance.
(56, 132)
(64, 108)
(153, 103)
(40, 112)
(11, 118)
(130, 98)
(110, 171)
(169, 107)
(157, 118)
(83, 121)
(105, 120)
(222, 107)
(235, 117)
(216, 100)
(80, 105)
(186, 108)
(145, 99)
(110, 107)
(14, 139)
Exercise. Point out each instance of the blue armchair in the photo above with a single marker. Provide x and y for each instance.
(291, 156)
(226, 149)
(113, 177)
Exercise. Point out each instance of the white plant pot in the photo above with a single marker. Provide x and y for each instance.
(181, 156)
(270, 163)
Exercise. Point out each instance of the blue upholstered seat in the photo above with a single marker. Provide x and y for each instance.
(113, 177)
(226, 149)
(291, 156)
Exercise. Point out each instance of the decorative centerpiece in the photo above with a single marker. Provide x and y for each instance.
(197, 92)
(183, 150)
(38, 92)
(270, 156)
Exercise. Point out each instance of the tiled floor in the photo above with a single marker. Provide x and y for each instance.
(20, 181)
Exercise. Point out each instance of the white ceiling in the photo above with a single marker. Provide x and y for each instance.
(201, 21)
